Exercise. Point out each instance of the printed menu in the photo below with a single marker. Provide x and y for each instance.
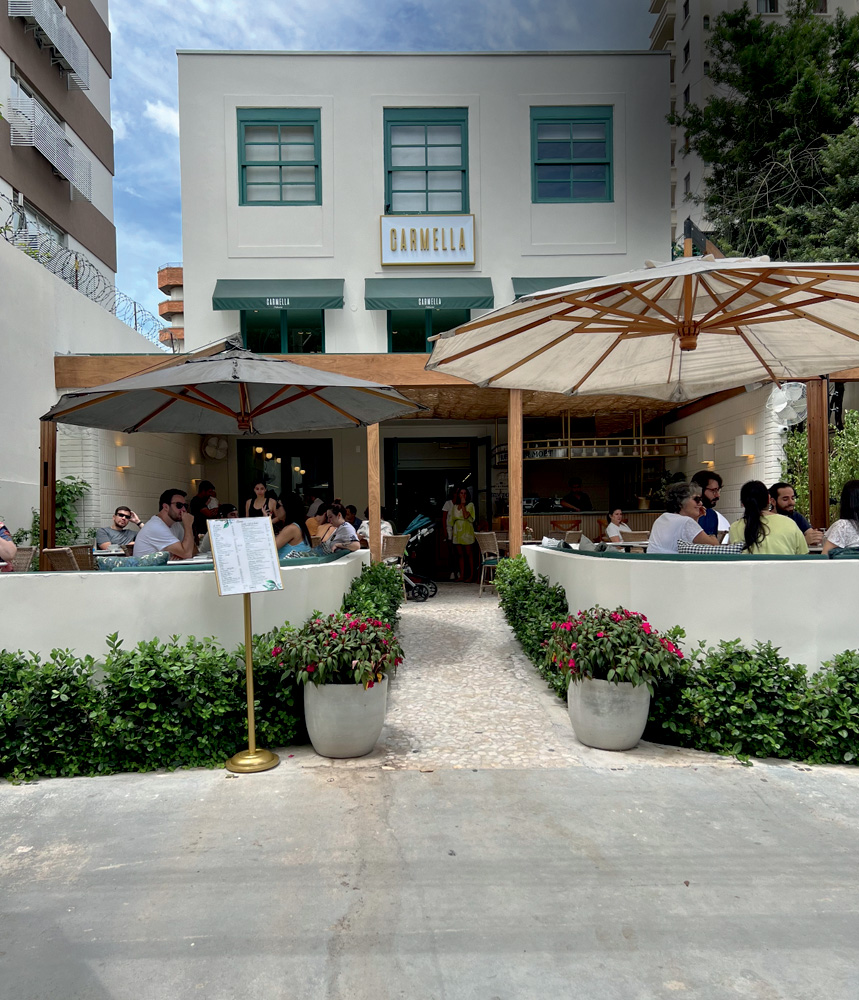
(245, 555)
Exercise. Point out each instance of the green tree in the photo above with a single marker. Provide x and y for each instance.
(778, 134)
(843, 461)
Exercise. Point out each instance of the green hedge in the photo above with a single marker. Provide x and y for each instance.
(728, 699)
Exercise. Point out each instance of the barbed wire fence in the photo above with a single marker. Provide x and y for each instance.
(77, 270)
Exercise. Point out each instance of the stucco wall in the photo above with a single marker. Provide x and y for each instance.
(43, 611)
(797, 605)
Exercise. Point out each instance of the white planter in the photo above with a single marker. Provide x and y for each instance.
(607, 715)
(344, 720)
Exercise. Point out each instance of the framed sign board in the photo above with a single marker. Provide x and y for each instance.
(245, 556)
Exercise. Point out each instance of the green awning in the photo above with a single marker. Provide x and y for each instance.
(428, 293)
(527, 286)
(278, 293)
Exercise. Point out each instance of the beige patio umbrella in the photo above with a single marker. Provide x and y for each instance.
(673, 332)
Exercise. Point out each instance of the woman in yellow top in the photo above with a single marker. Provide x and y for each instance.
(761, 532)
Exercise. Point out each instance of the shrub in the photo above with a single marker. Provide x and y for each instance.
(376, 593)
(831, 712)
(52, 717)
(278, 712)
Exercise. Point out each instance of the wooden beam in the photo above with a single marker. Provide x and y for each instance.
(818, 452)
(514, 469)
(47, 490)
(374, 493)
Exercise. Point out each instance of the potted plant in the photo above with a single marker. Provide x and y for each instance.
(613, 659)
(343, 660)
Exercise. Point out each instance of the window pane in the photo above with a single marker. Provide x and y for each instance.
(553, 130)
(442, 320)
(299, 192)
(408, 331)
(553, 151)
(299, 175)
(262, 330)
(401, 202)
(408, 180)
(262, 175)
(297, 134)
(589, 191)
(408, 156)
(590, 130)
(289, 154)
(556, 172)
(552, 190)
(259, 192)
(589, 150)
(407, 135)
(305, 331)
(442, 201)
(589, 172)
(254, 154)
(444, 156)
(445, 180)
(444, 135)
(260, 133)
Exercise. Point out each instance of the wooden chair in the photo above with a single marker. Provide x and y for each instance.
(568, 524)
(394, 548)
(602, 524)
(573, 537)
(23, 558)
(635, 536)
(488, 545)
(84, 556)
(61, 559)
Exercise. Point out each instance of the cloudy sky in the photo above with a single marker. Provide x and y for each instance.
(146, 34)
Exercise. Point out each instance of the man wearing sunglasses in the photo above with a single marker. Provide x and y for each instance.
(120, 532)
(171, 529)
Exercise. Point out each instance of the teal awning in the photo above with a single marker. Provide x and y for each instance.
(278, 293)
(528, 286)
(428, 293)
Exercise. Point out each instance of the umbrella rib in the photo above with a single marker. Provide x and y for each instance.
(721, 305)
(757, 354)
(342, 413)
(185, 398)
(383, 395)
(150, 416)
(209, 399)
(263, 408)
(595, 365)
(87, 402)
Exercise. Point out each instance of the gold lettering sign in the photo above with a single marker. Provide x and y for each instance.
(413, 239)
(435, 239)
(461, 238)
(443, 243)
(402, 240)
(425, 239)
(393, 239)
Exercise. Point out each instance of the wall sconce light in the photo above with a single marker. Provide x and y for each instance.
(269, 456)
(296, 468)
(278, 460)
(124, 457)
(258, 450)
(744, 446)
(707, 454)
(301, 472)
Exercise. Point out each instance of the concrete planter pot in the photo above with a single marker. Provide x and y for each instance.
(344, 720)
(606, 715)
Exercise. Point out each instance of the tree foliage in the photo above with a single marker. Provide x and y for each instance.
(779, 135)
(843, 461)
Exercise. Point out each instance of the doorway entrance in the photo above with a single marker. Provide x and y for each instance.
(300, 465)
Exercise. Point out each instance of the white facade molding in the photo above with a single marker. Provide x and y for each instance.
(52, 27)
(31, 125)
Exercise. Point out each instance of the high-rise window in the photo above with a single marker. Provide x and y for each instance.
(768, 6)
(279, 156)
(571, 154)
(426, 160)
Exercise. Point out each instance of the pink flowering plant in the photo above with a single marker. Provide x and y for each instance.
(341, 648)
(616, 646)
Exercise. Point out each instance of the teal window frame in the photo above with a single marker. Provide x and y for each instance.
(426, 117)
(572, 116)
(280, 118)
(428, 328)
(284, 330)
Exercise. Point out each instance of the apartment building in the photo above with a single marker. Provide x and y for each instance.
(682, 28)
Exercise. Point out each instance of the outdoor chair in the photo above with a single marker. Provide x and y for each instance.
(61, 559)
(568, 524)
(488, 545)
(573, 537)
(23, 558)
(394, 548)
(84, 556)
(629, 538)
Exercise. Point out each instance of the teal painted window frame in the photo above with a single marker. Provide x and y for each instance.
(426, 117)
(573, 116)
(284, 331)
(278, 118)
(428, 328)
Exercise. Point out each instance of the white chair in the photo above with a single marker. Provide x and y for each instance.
(488, 545)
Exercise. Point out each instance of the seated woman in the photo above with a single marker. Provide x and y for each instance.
(294, 536)
(616, 526)
(344, 535)
(844, 533)
(761, 532)
(684, 506)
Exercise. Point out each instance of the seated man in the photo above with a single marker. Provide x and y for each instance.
(783, 497)
(120, 532)
(317, 524)
(352, 516)
(364, 529)
(171, 529)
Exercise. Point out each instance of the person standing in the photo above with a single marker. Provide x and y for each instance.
(783, 497)
(710, 484)
(259, 504)
(170, 530)
(576, 499)
(462, 518)
(120, 532)
(203, 506)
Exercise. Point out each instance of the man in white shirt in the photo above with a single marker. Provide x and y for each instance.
(315, 503)
(364, 529)
(171, 529)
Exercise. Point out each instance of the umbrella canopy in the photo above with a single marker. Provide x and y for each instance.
(231, 392)
(672, 332)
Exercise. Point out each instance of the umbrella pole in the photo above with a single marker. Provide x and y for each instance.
(818, 452)
(47, 491)
(374, 493)
(514, 469)
(252, 759)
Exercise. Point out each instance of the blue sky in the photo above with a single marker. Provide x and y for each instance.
(146, 34)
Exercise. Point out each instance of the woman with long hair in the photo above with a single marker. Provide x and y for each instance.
(844, 533)
(462, 519)
(761, 532)
(293, 537)
(258, 503)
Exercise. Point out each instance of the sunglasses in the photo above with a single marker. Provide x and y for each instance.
(126, 516)
(181, 506)
(698, 499)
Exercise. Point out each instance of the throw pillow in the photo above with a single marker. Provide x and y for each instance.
(691, 549)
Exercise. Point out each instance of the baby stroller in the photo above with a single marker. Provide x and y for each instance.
(418, 588)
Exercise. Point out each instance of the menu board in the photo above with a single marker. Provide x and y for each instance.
(245, 555)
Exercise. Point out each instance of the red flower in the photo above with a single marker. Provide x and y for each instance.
(600, 635)
(310, 668)
(276, 651)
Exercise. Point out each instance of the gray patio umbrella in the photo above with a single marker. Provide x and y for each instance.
(232, 392)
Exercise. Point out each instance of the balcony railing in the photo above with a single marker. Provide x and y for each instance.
(53, 29)
(594, 447)
(31, 125)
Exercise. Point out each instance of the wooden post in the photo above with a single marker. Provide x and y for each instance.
(374, 493)
(47, 490)
(818, 452)
(514, 469)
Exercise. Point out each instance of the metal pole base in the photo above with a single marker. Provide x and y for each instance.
(248, 761)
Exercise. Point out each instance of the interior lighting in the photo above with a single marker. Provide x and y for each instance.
(744, 446)
(707, 454)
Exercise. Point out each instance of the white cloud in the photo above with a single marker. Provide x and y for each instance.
(120, 130)
(163, 116)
